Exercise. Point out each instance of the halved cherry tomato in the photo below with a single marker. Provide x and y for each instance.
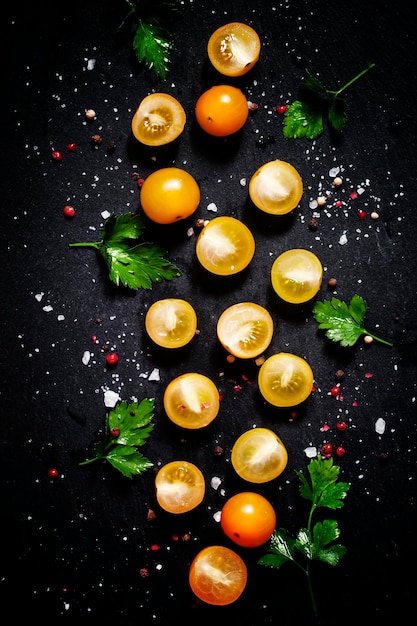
(276, 187)
(158, 120)
(248, 519)
(245, 329)
(285, 379)
(191, 400)
(259, 455)
(218, 575)
(225, 246)
(169, 195)
(222, 110)
(179, 487)
(296, 275)
(234, 48)
(171, 322)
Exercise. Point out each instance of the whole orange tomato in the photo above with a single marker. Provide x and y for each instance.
(248, 519)
(222, 110)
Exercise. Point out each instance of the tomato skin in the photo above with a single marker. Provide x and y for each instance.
(158, 120)
(218, 575)
(169, 195)
(285, 380)
(248, 519)
(234, 48)
(222, 110)
(179, 487)
(259, 455)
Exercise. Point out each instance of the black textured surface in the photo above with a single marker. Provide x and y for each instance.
(73, 546)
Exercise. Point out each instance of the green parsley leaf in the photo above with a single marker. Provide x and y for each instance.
(304, 117)
(343, 323)
(313, 543)
(128, 428)
(132, 264)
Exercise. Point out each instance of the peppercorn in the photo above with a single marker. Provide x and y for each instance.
(332, 283)
(218, 451)
(340, 374)
(90, 114)
(313, 224)
(199, 223)
(96, 140)
(111, 147)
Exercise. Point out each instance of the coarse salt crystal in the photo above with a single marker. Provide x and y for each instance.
(343, 239)
(380, 426)
(86, 357)
(212, 207)
(111, 398)
(154, 375)
(311, 452)
(90, 64)
(105, 215)
(39, 296)
(47, 308)
(215, 482)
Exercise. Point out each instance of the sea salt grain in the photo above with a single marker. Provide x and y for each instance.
(86, 357)
(111, 398)
(380, 426)
(311, 452)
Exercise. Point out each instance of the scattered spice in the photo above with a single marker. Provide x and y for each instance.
(90, 114)
(313, 224)
(57, 156)
(69, 211)
(332, 283)
(96, 140)
(52, 472)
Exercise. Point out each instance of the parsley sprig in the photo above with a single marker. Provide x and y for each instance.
(152, 43)
(312, 543)
(344, 323)
(132, 264)
(128, 427)
(304, 117)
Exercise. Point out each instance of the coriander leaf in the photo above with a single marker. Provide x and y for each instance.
(152, 47)
(343, 323)
(132, 264)
(302, 119)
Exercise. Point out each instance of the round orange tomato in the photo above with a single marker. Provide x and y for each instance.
(218, 575)
(285, 380)
(276, 187)
(169, 195)
(171, 322)
(296, 275)
(245, 329)
(158, 120)
(259, 455)
(179, 487)
(225, 246)
(191, 400)
(248, 519)
(234, 48)
(222, 110)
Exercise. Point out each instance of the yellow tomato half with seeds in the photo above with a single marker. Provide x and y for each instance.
(296, 275)
(191, 400)
(285, 379)
(169, 195)
(234, 48)
(225, 246)
(222, 110)
(276, 187)
(158, 120)
(179, 487)
(259, 455)
(218, 575)
(245, 329)
(171, 322)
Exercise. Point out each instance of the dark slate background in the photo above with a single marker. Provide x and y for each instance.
(73, 546)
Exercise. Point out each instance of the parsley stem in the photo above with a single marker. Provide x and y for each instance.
(386, 343)
(91, 244)
(89, 461)
(342, 89)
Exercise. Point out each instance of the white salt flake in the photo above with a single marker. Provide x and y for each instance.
(215, 482)
(343, 239)
(39, 296)
(47, 308)
(61, 318)
(86, 357)
(154, 375)
(212, 207)
(217, 515)
(111, 398)
(310, 452)
(105, 215)
(91, 64)
(380, 426)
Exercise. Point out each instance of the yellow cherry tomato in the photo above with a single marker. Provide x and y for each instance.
(218, 575)
(225, 246)
(169, 195)
(171, 322)
(245, 329)
(234, 48)
(276, 187)
(259, 455)
(248, 519)
(285, 379)
(191, 400)
(179, 487)
(222, 110)
(296, 275)
(158, 120)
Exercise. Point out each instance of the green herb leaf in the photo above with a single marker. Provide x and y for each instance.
(132, 264)
(153, 47)
(323, 489)
(128, 428)
(343, 323)
(281, 549)
(304, 117)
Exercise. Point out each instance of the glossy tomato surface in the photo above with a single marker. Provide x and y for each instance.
(225, 246)
(296, 275)
(169, 195)
(285, 379)
(218, 575)
(245, 329)
(158, 120)
(191, 400)
(171, 322)
(259, 455)
(234, 48)
(222, 110)
(276, 187)
(179, 487)
(248, 519)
